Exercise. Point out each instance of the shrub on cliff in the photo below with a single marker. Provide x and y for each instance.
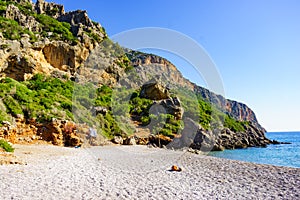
(41, 97)
(12, 30)
(6, 146)
(59, 30)
(234, 125)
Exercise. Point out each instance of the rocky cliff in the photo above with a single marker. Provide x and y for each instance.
(42, 38)
(146, 64)
(41, 44)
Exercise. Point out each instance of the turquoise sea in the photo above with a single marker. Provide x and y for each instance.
(280, 155)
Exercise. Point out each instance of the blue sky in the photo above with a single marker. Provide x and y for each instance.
(255, 45)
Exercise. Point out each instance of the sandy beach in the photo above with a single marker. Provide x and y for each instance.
(139, 172)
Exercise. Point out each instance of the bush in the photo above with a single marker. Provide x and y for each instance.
(12, 105)
(6, 146)
(12, 30)
(234, 125)
(60, 30)
(145, 120)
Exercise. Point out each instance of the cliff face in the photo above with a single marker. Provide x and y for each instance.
(21, 59)
(43, 38)
(146, 64)
(30, 53)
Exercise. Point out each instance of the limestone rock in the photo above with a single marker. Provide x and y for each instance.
(81, 23)
(13, 12)
(99, 110)
(252, 137)
(149, 66)
(60, 55)
(129, 141)
(155, 91)
(172, 106)
(159, 140)
(52, 9)
(194, 136)
(77, 17)
(117, 140)
(142, 140)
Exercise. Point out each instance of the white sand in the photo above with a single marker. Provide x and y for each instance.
(138, 172)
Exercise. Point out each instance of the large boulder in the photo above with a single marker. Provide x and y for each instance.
(159, 140)
(61, 133)
(129, 141)
(195, 136)
(172, 106)
(118, 140)
(155, 91)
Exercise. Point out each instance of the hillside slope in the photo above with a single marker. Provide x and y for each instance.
(63, 79)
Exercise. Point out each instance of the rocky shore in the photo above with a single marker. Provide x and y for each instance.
(139, 172)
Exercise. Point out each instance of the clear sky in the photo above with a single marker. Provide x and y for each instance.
(255, 45)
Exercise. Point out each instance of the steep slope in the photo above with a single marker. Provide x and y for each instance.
(57, 66)
(169, 74)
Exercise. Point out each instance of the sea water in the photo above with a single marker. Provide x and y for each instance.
(280, 154)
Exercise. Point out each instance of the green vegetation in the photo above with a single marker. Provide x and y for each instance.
(164, 124)
(6, 146)
(207, 114)
(42, 98)
(10, 28)
(140, 106)
(234, 125)
(52, 12)
(13, 31)
(110, 48)
(51, 27)
(195, 107)
(95, 36)
(45, 98)
(59, 30)
(103, 96)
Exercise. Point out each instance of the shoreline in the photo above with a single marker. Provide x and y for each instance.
(139, 172)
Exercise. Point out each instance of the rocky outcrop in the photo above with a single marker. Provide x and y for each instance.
(60, 55)
(196, 137)
(57, 132)
(51, 9)
(237, 110)
(117, 140)
(20, 59)
(149, 66)
(154, 91)
(29, 22)
(129, 141)
(81, 24)
(78, 17)
(172, 106)
(252, 137)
